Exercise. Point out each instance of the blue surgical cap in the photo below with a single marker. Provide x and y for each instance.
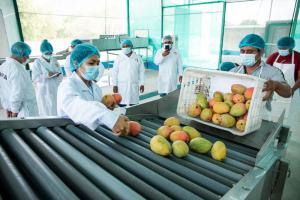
(167, 38)
(46, 47)
(127, 42)
(20, 49)
(81, 53)
(286, 43)
(227, 66)
(252, 40)
(75, 42)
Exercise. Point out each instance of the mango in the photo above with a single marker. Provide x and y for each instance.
(218, 95)
(227, 96)
(238, 98)
(171, 121)
(216, 119)
(206, 114)
(248, 102)
(180, 149)
(194, 110)
(191, 131)
(201, 95)
(211, 102)
(229, 103)
(109, 101)
(117, 97)
(248, 93)
(221, 107)
(160, 145)
(179, 135)
(202, 102)
(238, 89)
(218, 151)
(238, 110)
(164, 131)
(241, 124)
(176, 128)
(134, 128)
(200, 145)
(227, 121)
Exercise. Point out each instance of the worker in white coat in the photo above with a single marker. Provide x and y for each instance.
(47, 77)
(170, 66)
(17, 92)
(128, 75)
(67, 64)
(79, 97)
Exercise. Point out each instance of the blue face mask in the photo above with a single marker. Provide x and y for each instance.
(284, 52)
(91, 73)
(248, 60)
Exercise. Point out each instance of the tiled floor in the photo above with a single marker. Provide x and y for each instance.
(292, 185)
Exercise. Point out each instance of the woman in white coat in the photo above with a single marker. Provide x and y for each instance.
(47, 77)
(67, 64)
(79, 97)
(170, 64)
(128, 75)
(16, 91)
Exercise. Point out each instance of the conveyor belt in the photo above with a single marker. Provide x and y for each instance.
(73, 162)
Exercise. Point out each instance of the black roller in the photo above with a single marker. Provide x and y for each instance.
(163, 184)
(183, 182)
(36, 171)
(100, 177)
(75, 180)
(183, 171)
(132, 181)
(12, 180)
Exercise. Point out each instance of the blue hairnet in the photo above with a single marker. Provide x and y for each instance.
(286, 43)
(227, 66)
(167, 38)
(252, 40)
(75, 42)
(46, 47)
(81, 53)
(127, 42)
(20, 49)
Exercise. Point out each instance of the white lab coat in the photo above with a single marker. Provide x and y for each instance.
(67, 66)
(169, 67)
(78, 102)
(46, 87)
(128, 74)
(17, 92)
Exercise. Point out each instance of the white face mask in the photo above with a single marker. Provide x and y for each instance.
(126, 50)
(48, 57)
(248, 60)
(284, 52)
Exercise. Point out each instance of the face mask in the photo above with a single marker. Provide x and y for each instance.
(167, 46)
(91, 73)
(284, 52)
(248, 60)
(48, 57)
(126, 50)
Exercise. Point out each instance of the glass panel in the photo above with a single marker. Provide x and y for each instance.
(297, 34)
(197, 29)
(60, 21)
(182, 2)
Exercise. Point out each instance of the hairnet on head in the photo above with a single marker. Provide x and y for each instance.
(20, 49)
(81, 53)
(126, 42)
(252, 40)
(167, 38)
(286, 43)
(46, 47)
(75, 42)
(227, 66)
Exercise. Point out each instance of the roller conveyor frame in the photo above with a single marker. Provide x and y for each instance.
(97, 160)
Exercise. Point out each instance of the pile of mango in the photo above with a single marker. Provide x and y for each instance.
(172, 138)
(224, 109)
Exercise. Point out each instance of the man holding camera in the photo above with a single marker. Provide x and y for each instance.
(170, 66)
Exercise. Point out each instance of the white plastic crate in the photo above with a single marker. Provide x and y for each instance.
(208, 81)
